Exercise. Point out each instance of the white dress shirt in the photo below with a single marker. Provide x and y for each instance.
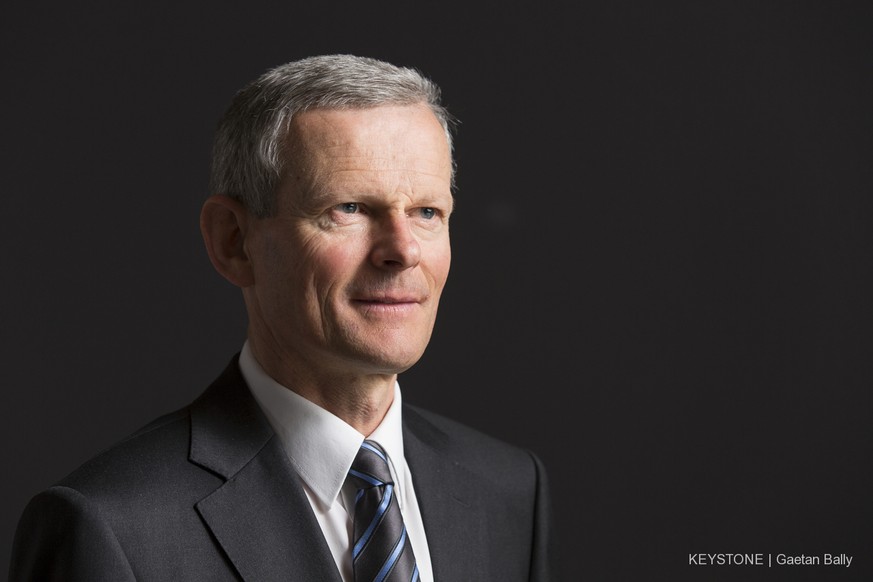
(321, 447)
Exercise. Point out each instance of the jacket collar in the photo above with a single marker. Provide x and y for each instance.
(260, 516)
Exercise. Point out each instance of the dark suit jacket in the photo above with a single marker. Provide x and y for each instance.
(207, 493)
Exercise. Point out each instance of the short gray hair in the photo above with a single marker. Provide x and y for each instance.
(247, 156)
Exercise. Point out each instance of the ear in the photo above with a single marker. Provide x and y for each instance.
(223, 224)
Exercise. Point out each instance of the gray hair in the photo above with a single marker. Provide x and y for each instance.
(247, 156)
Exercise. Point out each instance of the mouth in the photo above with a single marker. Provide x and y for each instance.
(386, 304)
(389, 297)
(398, 304)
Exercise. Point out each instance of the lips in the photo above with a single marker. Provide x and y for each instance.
(391, 300)
(389, 295)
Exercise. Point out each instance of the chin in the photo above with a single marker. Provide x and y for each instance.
(379, 351)
(391, 363)
(398, 365)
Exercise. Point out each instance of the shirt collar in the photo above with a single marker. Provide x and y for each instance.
(320, 445)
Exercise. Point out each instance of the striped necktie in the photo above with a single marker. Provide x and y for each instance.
(381, 551)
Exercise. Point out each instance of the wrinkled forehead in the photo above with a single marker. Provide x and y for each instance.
(389, 138)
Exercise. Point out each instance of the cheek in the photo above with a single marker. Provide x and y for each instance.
(328, 266)
(290, 267)
(440, 261)
(436, 271)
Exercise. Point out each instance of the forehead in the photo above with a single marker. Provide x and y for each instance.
(398, 137)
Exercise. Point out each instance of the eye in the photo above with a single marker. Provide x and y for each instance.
(348, 207)
(428, 213)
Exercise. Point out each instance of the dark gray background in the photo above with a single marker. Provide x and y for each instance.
(662, 251)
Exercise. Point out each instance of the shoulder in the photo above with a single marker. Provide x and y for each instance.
(472, 448)
(146, 449)
(62, 536)
(147, 472)
(76, 529)
(157, 457)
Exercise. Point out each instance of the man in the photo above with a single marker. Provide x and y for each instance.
(332, 180)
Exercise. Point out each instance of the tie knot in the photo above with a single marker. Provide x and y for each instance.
(370, 467)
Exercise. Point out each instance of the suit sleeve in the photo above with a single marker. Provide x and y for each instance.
(543, 566)
(62, 536)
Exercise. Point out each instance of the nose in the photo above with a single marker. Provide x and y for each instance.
(395, 247)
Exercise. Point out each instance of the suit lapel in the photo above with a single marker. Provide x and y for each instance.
(260, 516)
(450, 498)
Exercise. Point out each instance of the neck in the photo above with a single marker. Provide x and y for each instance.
(362, 407)
(361, 400)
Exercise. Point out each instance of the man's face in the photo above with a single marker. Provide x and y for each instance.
(349, 272)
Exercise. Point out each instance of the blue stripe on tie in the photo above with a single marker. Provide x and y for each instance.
(415, 574)
(368, 478)
(369, 447)
(389, 563)
(386, 499)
